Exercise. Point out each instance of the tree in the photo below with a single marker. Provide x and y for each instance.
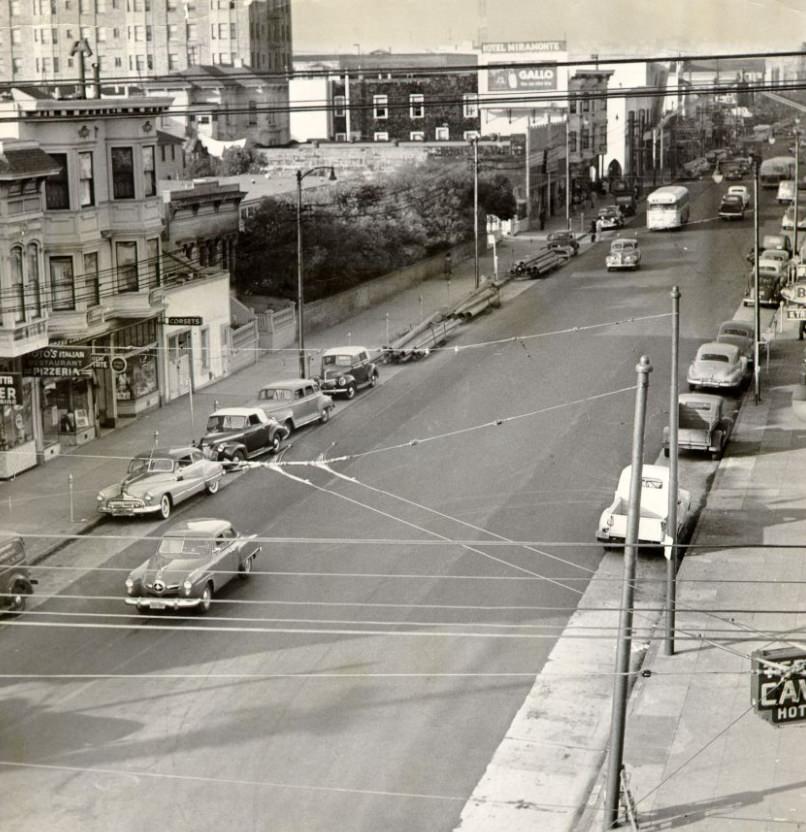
(496, 196)
(238, 160)
(201, 165)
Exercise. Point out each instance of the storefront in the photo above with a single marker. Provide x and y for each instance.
(17, 439)
(134, 368)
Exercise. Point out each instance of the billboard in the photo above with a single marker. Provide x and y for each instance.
(531, 78)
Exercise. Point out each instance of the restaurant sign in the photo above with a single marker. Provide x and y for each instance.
(63, 362)
(779, 685)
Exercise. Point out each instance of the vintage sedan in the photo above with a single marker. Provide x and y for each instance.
(770, 283)
(235, 434)
(624, 254)
(158, 480)
(719, 366)
(740, 333)
(741, 191)
(702, 424)
(346, 369)
(610, 216)
(16, 583)
(564, 242)
(774, 258)
(295, 402)
(731, 207)
(194, 560)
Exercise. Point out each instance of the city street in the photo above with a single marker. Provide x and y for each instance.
(363, 682)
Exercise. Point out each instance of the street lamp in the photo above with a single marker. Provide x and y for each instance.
(475, 142)
(303, 372)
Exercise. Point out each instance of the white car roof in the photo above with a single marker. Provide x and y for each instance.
(235, 411)
(199, 527)
(344, 351)
(717, 347)
(288, 382)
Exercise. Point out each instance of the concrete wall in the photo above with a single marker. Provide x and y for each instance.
(321, 314)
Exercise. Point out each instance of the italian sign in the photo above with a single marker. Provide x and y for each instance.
(185, 320)
(779, 689)
(531, 77)
(65, 362)
(10, 388)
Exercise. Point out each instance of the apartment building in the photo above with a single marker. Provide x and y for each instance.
(134, 39)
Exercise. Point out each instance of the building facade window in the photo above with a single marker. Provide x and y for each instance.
(34, 284)
(572, 141)
(173, 61)
(18, 285)
(122, 173)
(86, 180)
(154, 266)
(470, 105)
(173, 31)
(380, 137)
(339, 105)
(469, 135)
(416, 105)
(126, 256)
(149, 172)
(442, 134)
(62, 288)
(57, 187)
(380, 106)
(252, 113)
(205, 348)
(92, 279)
(417, 136)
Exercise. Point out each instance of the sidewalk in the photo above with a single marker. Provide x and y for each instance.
(39, 500)
(697, 755)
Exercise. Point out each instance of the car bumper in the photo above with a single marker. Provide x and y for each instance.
(334, 390)
(619, 264)
(146, 602)
(128, 511)
(713, 382)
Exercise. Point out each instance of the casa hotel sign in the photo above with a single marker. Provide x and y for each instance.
(779, 685)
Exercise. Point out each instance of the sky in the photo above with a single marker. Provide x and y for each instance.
(608, 27)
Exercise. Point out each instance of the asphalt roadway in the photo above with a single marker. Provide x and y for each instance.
(363, 683)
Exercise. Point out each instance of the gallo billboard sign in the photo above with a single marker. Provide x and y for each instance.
(779, 685)
(532, 77)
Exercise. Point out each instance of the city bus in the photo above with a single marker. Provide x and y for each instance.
(667, 208)
(773, 171)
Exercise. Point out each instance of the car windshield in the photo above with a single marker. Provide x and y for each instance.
(194, 547)
(150, 465)
(715, 356)
(337, 360)
(220, 421)
(276, 394)
(622, 245)
(694, 416)
(740, 332)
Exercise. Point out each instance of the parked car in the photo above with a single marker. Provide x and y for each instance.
(740, 334)
(742, 191)
(788, 220)
(158, 480)
(777, 241)
(16, 583)
(652, 524)
(235, 434)
(719, 366)
(624, 254)
(346, 369)
(610, 216)
(702, 424)
(193, 561)
(563, 240)
(731, 207)
(770, 283)
(295, 402)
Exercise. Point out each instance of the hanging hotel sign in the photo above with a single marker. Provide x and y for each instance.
(796, 293)
(779, 685)
(10, 389)
(64, 362)
(529, 77)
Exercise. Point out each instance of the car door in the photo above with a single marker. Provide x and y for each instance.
(192, 468)
(362, 370)
(310, 405)
(256, 434)
(226, 556)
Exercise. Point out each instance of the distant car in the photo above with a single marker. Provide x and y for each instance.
(742, 191)
(16, 583)
(563, 240)
(774, 258)
(777, 241)
(740, 334)
(295, 402)
(788, 220)
(235, 434)
(731, 207)
(158, 480)
(193, 561)
(770, 283)
(624, 254)
(654, 508)
(346, 369)
(610, 216)
(702, 424)
(719, 366)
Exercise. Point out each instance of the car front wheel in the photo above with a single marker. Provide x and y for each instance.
(350, 394)
(165, 506)
(274, 444)
(213, 486)
(325, 415)
(373, 379)
(245, 568)
(206, 599)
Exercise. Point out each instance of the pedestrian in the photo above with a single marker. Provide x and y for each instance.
(593, 230)
(448, 266)
(599, 226)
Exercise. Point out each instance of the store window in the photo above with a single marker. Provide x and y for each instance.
(17, 420)
(18, 285)
(67, 406)
(205, 348)
(34, 285)
(61, 284)
(122, 173)
(127, 266)
(138, 344)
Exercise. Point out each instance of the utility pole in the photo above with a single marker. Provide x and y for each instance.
(671, 562)
(475, 142)
(756, 305)
(797, 183)
(620, 684)
(568, 170)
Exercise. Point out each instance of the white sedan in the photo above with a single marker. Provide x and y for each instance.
(741, 191)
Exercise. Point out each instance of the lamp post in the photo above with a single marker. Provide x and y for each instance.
(475, 142)
(756, 307)
(300, 294)
(568, 170)
(797, 183)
